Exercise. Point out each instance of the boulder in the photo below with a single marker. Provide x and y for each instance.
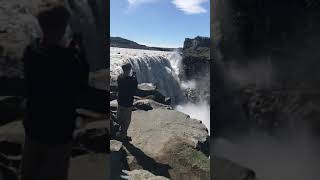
(18, 26)
(186, 161)
(151, 130)
(141, 175)
(142, 105)
(147, 90)
(147, 87)
(168, 143)
(149, 104)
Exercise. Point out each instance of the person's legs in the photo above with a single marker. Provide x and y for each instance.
(127, 120)
(43, 161)
(124, 118)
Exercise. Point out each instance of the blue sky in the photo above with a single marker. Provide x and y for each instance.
(162, 23)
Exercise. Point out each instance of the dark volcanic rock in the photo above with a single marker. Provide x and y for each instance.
(142, 105)
(194, 67)
(196, 57)
(196, 42)
(149, 104)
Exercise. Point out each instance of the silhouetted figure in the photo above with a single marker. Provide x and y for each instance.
(55, 75)
(127, 87)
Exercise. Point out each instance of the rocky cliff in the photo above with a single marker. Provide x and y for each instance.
(196, 57)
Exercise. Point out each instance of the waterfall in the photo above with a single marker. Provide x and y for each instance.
(163, 70)
(159, 68)
(158, 71)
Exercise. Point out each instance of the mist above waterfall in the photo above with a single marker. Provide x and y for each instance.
(200, 111)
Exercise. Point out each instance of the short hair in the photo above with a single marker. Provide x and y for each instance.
(52, 18)
(126, 67)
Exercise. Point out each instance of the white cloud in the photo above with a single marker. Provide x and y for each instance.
(136, 2)
(190, 6)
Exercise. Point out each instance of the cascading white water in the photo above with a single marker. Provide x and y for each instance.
(151, 67)
(161, 69)
(158, 71)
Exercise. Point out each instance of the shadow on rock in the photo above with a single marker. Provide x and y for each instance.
(147, 163)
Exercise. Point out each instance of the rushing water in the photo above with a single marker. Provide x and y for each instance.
(162, 69)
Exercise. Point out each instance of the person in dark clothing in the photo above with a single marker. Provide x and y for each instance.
(127, 87)
(55, 75)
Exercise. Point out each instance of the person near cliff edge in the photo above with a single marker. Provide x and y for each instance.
(127, 87)
(55, 74)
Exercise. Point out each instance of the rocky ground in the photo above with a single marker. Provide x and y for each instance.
(165, 143)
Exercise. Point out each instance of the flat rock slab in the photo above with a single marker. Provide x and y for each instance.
(152, 130)
(164, 142)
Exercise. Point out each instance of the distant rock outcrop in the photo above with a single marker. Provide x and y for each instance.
(196, 56)
(196, 42)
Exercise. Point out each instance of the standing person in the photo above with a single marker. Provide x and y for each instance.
(127, 87)
(55, 75)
